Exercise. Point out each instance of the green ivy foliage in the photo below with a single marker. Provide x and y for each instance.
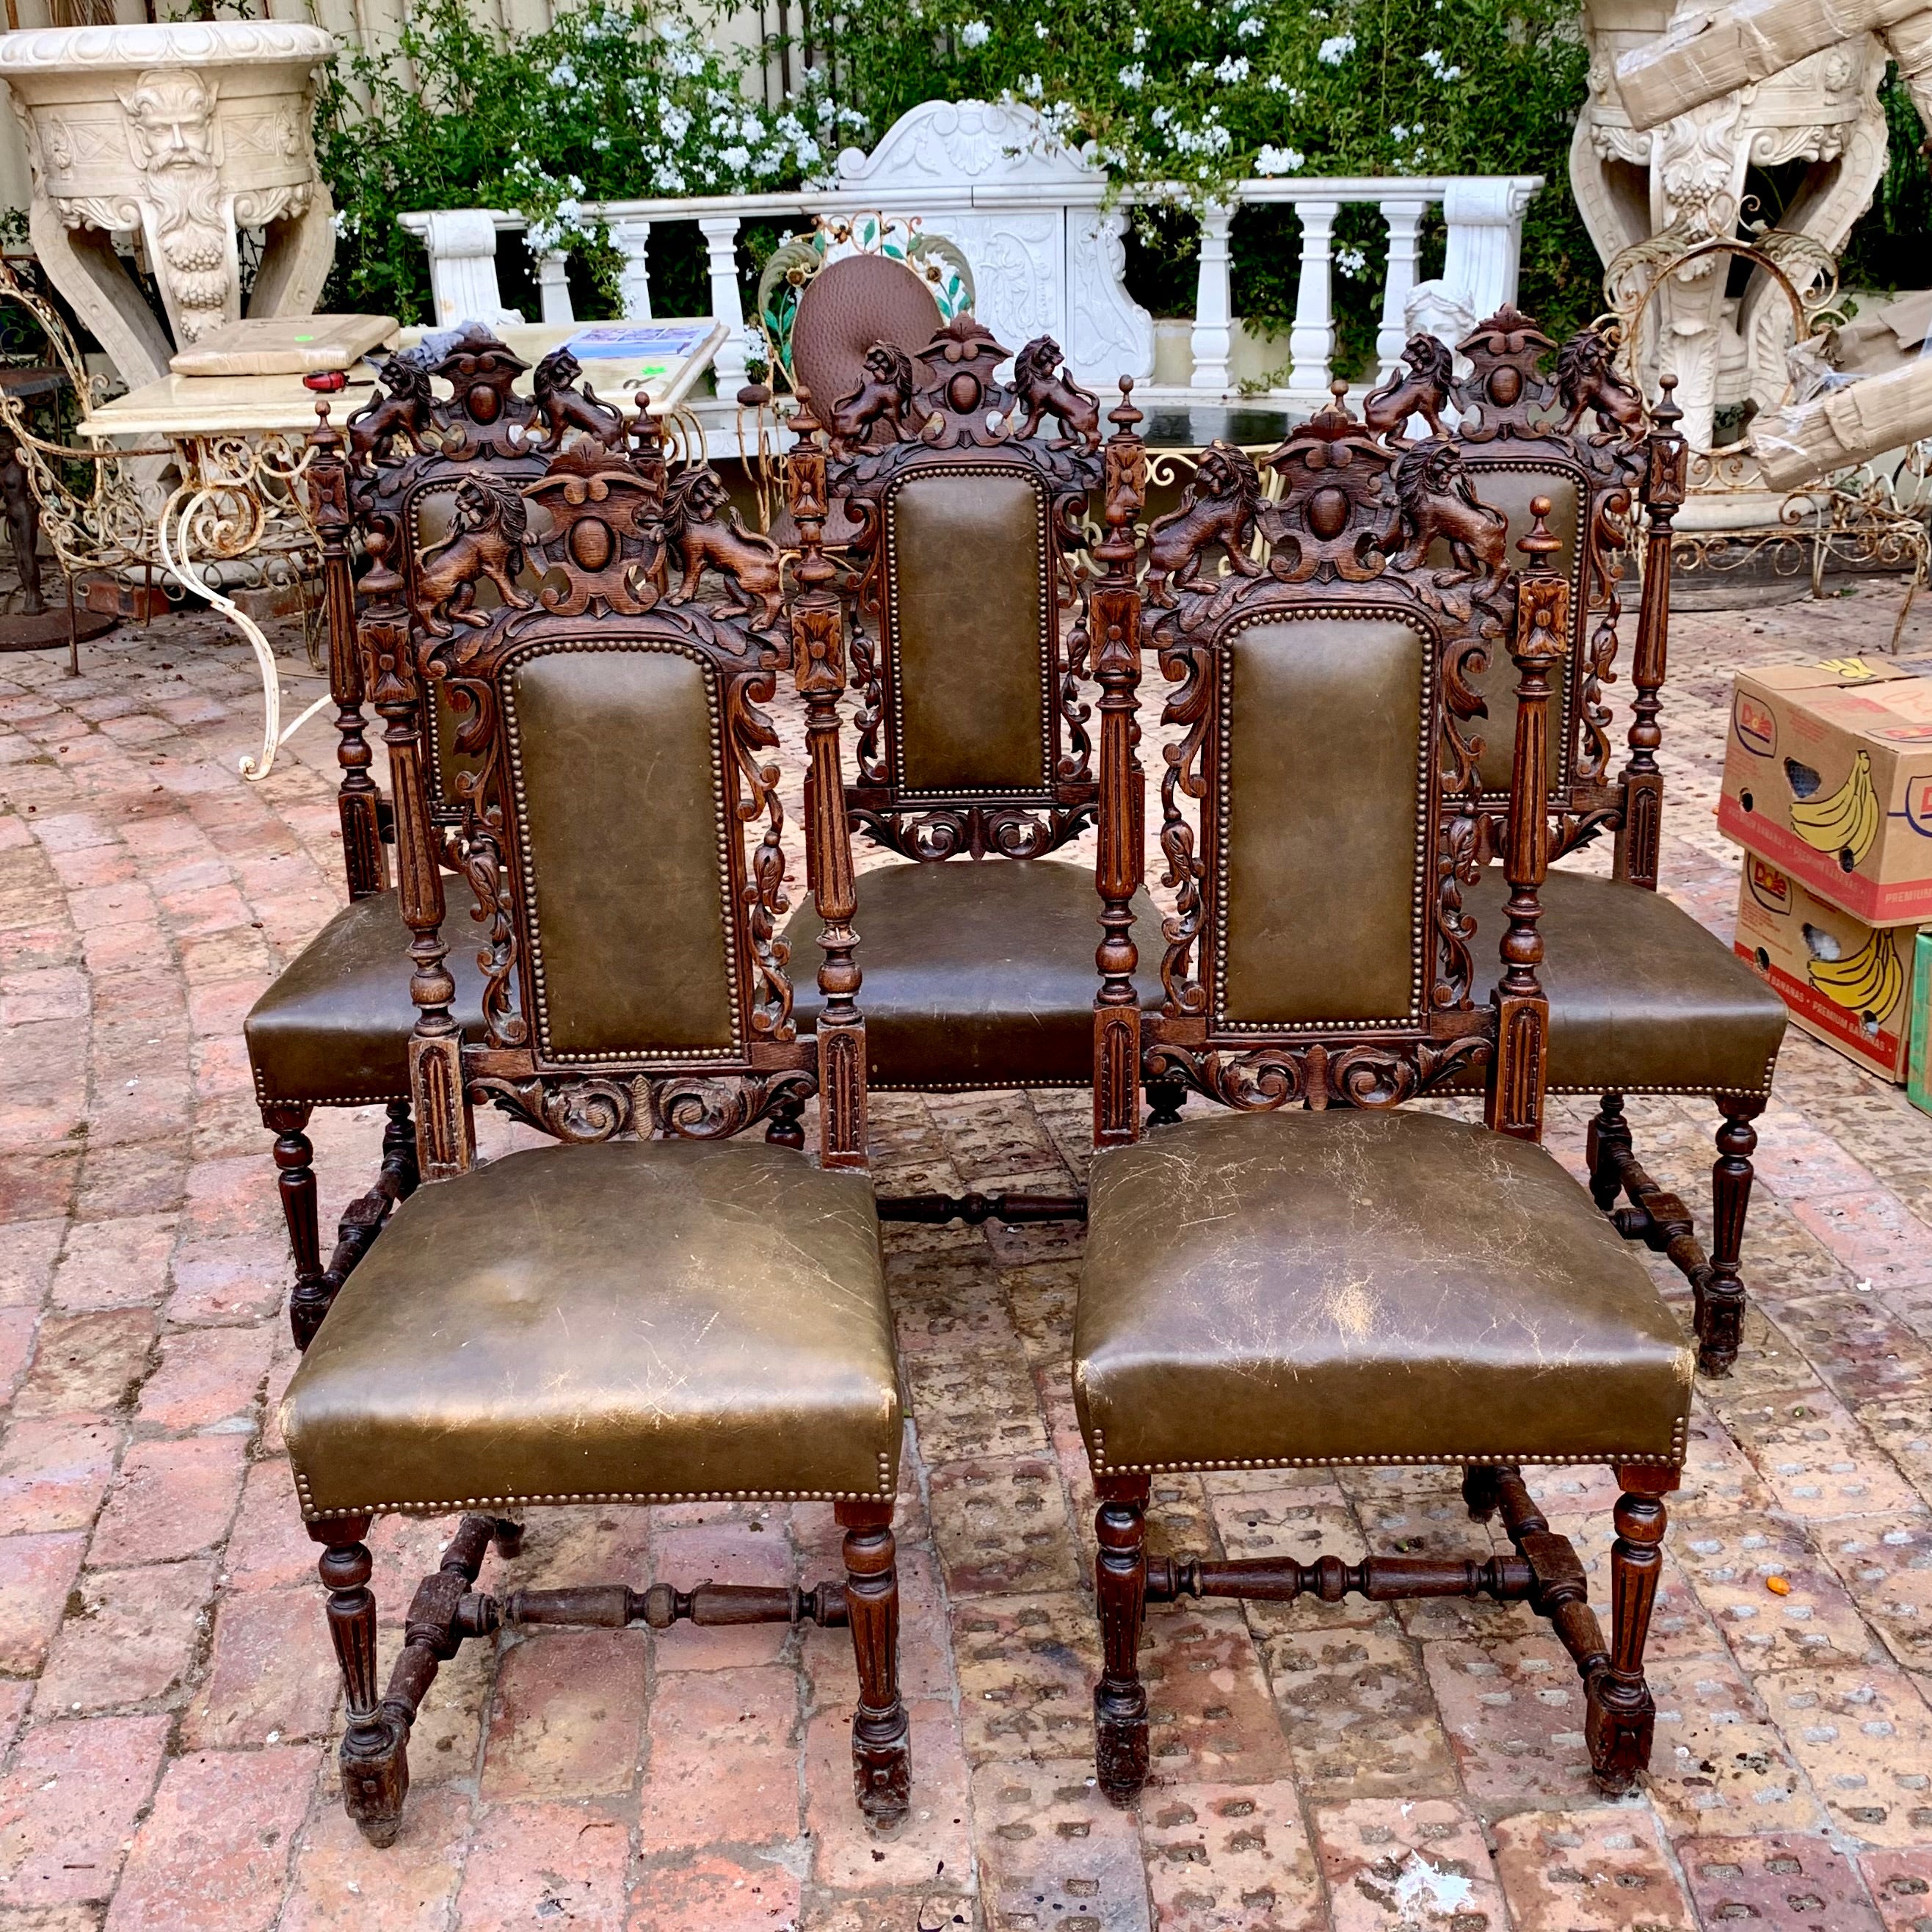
(620, 101)
(614, 102)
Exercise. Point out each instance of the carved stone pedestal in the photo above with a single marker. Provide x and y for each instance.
(182, 134)
(1689, 179)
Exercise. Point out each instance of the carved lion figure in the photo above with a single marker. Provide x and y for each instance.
(407, 410)
(1436, 503)
(1422, 390)
(1043, 389)
(564, 407)
(1219, 507)
(701, 524)
(492, 523)
(884, 394)
(1586, 381)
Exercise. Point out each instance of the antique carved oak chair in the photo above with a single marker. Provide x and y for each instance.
(653, 1311)
(972, 759)
(1317, 1276)
(333, 1030)
(1643, 998)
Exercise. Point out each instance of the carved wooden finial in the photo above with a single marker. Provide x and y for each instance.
(1539, 546)
(1666, 415)
(1124, 415)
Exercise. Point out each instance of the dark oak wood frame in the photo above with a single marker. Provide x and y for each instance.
(621, 602)
(1333, 537)
(1582, 421)
(944, 413)
(408, 443)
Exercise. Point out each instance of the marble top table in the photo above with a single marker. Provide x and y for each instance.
(240, 442)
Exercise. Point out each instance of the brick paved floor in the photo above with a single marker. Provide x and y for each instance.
(167, 1700)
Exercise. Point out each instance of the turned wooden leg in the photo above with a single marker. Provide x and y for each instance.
(1622, 1714)
(375, 1765)
(295, 1182)
(785, 1130)
(1481, 1492)
(1119, 1576)
(1610, 1138)
(399, 1150)
(1166, 1098)
(881, 1732)
(1720, 1298)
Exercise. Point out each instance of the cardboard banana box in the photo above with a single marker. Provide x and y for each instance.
(1851, 984)
(1828, 773)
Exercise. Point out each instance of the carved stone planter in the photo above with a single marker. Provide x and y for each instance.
(184, 133)
(1687, 178)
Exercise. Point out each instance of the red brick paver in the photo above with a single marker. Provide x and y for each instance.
(168, 1704)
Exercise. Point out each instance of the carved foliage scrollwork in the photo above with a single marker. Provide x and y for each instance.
(684, 1107)
(1317, 1076)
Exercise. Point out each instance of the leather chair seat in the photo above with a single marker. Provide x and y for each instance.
(1265, 1291)
(634, 1321)
(334, 1030)
(976, 975)
(1643, 999)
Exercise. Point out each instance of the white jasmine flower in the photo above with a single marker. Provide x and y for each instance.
(1039, 30)
(1273, 161)
(1032, 86)
(975, 34)
(1234, 68)
(1350, 261)
(1334, 50)
(1140, 38)
(1249, 28)
(1134, 78)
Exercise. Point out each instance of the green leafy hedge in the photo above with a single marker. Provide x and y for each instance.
(618, 101)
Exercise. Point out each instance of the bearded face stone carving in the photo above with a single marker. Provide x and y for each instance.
(171, 134)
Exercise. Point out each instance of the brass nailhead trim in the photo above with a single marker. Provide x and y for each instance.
(540, 1019)
(887, 1488)
(1096, 1456)
(1424, 917)
(1049, 631)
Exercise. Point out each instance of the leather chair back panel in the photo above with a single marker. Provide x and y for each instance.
(1323, 812)
(1510, 490)
(432, 515)
(971, 612)
(627, 851)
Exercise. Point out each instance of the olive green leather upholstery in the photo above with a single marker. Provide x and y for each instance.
(334, 1030)
(966, 555)
(1325, 815)
(1273, 1289)
(636, 1321)
(630, 939)
(1643, 999)
(1511, 490)
(976, 975)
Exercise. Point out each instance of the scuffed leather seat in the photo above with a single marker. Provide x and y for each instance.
(334, 1030)
(1643, 998)
(1297, 1287)
(978, 975)
(615, 1322)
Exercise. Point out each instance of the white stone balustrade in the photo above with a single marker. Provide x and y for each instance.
(1035, 220)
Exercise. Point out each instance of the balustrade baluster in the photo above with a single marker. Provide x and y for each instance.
(1214, 303)
(1311, 342)
(721, 243)
(1405, 222)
